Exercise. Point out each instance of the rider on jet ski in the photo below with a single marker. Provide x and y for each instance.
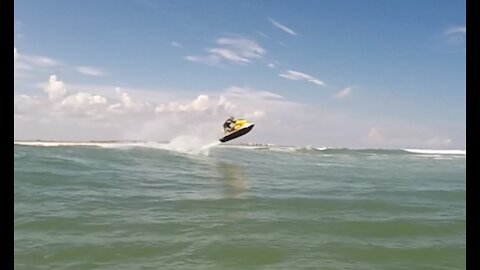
(229, 124)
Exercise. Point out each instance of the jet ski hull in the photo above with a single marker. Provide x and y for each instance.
(237, 133)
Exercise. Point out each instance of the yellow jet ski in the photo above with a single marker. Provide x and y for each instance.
(240, 128)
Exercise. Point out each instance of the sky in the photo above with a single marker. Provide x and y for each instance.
(358, 74)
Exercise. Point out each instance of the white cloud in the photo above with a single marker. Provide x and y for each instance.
(456, 35)
(200, 103)
(229, 55)
(176, 44)
(246, 92)
(271, 65)
(35, 60)
(101, 113)
(456, 30)
(58, 108)
(282, 27)
(81, 99)
(298, 76)
(203, 103)
(244, 47)
(206, 60)
(262, 34)
(295, 75)
(40, 61)
(214, 108)
(128, 105)
(97, 116)
(18, 65)
(84, 104)
(25, 105)
(347, 91)
(91, 71)
(258, 114)
(236, 51)
(25, 64)
(224, 104)
(55, 88)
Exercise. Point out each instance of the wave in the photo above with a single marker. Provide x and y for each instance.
(437, 152)
(195, 145)
(86, 144)
(347, 151)
(182, 144)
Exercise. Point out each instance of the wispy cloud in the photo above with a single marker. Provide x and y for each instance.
(91, 71)
(176, 44)
(19, 67)
(347, 91)
(282, 27)
(262, 34)
(456, 35)
(456, 30)
(34, 60)
(246, 92)
(40, 61)
(271, 65)
(24, 63)
(298, 76)
(230, 50)
(229, 55)
(210, 60)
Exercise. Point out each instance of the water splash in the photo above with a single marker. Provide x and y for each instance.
(183, 144)
(190, 145)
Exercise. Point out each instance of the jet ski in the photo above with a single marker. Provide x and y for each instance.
(240, 128)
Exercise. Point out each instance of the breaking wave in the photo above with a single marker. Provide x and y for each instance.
(183, 144)
(198, 146)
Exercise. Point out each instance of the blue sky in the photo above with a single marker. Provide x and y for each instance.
(364, 73)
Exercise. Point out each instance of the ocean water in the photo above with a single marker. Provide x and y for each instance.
(192, 206)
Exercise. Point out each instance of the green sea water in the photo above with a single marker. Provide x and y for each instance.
(148, 206)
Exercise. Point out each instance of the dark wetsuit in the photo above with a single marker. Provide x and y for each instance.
(226, 125)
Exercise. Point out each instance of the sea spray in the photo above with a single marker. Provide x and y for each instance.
(191, 145)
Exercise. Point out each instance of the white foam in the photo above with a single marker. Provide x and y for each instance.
(190, 145)
(195, 145)
(242, 146)
(283, 149)
(437, 152)
(56, 144)
(182, 144)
